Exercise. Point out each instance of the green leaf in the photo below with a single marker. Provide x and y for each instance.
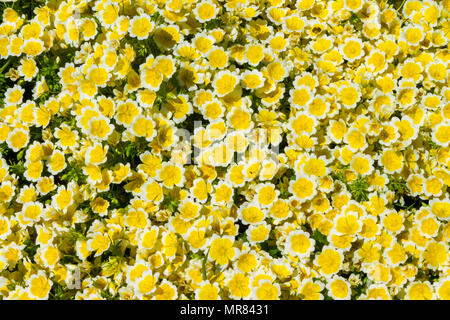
(243, 237)
(359, 189)
(321, 239)
(271, 247)
(20, 154)
(30, 248)
(204, 266)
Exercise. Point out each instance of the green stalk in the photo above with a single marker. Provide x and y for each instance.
(204, 266)
(5, 65)
(403, 2)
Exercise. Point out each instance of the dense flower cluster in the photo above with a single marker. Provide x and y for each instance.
(225, 149)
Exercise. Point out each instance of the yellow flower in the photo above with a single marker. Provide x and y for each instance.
(299, 243)
(311, 290)
(339, 288)
(435, 254)
(99, 243)
(207, 291)
(217, 58)
(171, 175)
(39, 286)
(329, 261)
(258, 233)
(239, 285)
(352, 49)
(225, 82)
(419, 291)
(303, 188)
(166, 291)
(443, 289)
(146, 283)
(267, 291)
(141, 26)
(222, 251)
(205, 11)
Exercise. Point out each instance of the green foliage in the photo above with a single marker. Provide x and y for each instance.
(69, 258)
(118, 249)
(3, 148)
(396, 4)
(58, 292)
(361, 288)
(76, 235)
(157, 18)
(109, 296)
(212, 24)
(242, 237)
(321, 239)
(355, 20)
(30, 248)
(25, 7)
(170, 203)
(271, 247)
(142, 48)
(191, 120)
(117, 196)
(238, 199)
(285, 106)
(36, 134)
(3, 87)
(17, 168)
(204, 266)
(73, 172)
(21, 154)
(47, 198)
(430, 144)
(108, 91)
(195, 255)
(127, 152)
(397, 185)
(427, 275)
(5, 83)
(282, 183)
(48, 68)
(359, 189)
